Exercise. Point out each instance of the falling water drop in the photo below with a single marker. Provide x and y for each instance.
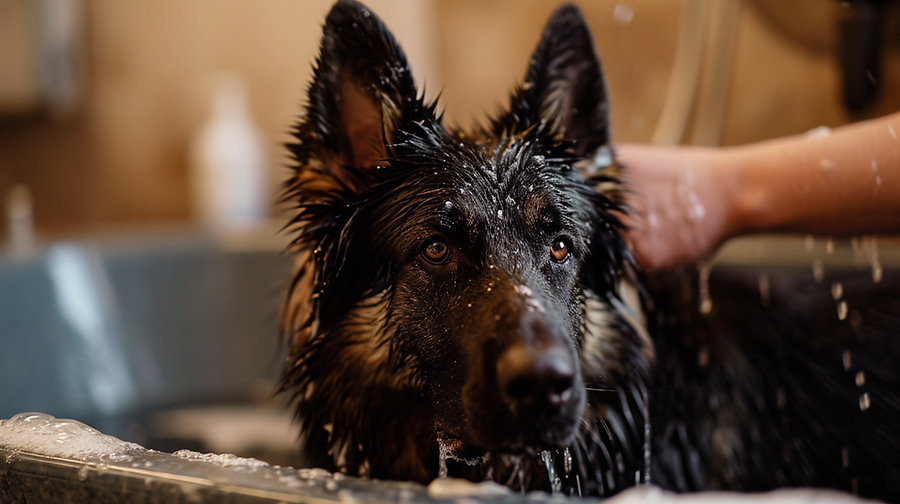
(860, 378)
(555, 483)
(623, 13)
(829, 246)
(764, 288)
(858, 253)
(809, 243)
(818, 270)
(864, 402)
(837, 290)
(871, 246)
(705, 301)
(443, 451)
(848, 363)
(842, 310)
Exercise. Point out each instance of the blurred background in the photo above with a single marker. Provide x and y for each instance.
(101, 100)
(141, 152)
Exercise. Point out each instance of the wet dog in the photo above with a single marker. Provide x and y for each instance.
(465, 304)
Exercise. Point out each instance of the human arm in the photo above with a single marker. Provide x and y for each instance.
(691, 199)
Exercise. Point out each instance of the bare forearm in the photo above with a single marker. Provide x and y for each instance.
(689, 200)
(843, 183)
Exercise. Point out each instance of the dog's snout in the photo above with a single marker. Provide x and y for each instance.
(531, 377)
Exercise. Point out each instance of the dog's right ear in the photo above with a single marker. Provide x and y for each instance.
(564, 94)
(361, 93)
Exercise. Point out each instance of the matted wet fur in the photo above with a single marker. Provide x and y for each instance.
(465, 304)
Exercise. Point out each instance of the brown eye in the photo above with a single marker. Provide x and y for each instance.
(436, 251)
(559, 251)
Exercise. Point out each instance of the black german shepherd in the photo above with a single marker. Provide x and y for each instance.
(465, 304)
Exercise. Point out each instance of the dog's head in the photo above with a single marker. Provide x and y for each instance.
(444, 277)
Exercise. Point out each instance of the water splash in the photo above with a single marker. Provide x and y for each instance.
(443, 450)
(567, 461)
(555, 482)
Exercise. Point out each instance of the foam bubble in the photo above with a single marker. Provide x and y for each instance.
(46, 435)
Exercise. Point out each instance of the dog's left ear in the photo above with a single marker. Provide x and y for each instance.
(564, 93)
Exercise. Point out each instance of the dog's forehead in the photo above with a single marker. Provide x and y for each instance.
(496, 189)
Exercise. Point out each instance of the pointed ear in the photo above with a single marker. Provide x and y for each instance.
(564, 93)
(360, 93)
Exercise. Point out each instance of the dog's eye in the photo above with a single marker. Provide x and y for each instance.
(559, 251)
(436, 251)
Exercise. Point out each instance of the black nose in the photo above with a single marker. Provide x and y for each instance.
(539, 378)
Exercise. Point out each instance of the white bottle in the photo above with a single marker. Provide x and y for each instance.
(229, 163)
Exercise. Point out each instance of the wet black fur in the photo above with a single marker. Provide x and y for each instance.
(389, 353)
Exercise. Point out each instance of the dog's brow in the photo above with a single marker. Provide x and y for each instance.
(535, 209)
(451, 217)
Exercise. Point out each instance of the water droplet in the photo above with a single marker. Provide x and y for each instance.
(705, 268)
(809, 243)
(847, 361)
(864, 402)
(696, 212)
(83, 473)
(818, 270)
(764, 288)
(845, 457)
(860, 378)
(623, 13)
(703, 356)
(870, 246)
(819, 132)
(829, 246)
(891, 129)
(842, 310)
(837, 290)
(855, 318)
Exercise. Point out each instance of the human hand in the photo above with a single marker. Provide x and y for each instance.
(683, 201)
